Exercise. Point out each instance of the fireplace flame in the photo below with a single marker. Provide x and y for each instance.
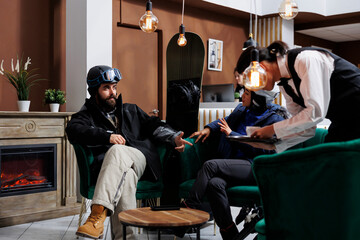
(14, 180)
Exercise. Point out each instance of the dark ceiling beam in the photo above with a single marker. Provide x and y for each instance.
(329, 21)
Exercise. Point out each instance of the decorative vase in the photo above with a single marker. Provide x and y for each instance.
(23, 105)
(54, 107)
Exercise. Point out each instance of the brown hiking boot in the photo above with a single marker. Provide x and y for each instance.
(94, 225)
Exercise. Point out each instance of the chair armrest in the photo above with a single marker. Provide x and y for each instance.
(84, 158)
(307, 153)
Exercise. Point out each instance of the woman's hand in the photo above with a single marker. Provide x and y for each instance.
(224, 127)
(265, 132)
(205, 133)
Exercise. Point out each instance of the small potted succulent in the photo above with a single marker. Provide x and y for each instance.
(54, 98)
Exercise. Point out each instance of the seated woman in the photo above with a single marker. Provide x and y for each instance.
(233, 168)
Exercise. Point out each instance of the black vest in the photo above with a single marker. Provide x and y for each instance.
(344, 107)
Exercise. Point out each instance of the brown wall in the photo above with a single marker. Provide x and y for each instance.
(232, 31)
(27, 27)
(350, 51)
(37, 29)
(345, 50)
(308, 41)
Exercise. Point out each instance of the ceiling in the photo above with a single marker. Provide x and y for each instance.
(339, 33)
(335, 28)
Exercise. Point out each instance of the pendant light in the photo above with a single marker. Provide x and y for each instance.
(254, 75)
(288, 9)
(251, 42)
(182, 40)
(148, 22)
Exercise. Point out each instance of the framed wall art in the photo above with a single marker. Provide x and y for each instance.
(215, 53)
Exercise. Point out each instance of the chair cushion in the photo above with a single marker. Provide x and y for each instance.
(185, 187)
(238, 195)
(147, 190)
(243, 195)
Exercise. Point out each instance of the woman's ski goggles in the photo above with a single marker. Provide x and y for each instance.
(109, 76)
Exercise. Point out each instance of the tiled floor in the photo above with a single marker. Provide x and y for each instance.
(64, 229)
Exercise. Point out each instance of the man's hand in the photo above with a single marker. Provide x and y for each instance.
(180, 142)
(224, 127)
(201, 134)
(117, 139)
(265, 132)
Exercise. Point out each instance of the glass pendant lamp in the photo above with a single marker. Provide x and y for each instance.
(148, 22)
(288, 9)
(254, 75)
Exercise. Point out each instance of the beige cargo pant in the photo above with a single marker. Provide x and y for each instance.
(116, 184)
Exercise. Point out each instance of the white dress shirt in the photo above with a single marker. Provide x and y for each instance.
(314, 68)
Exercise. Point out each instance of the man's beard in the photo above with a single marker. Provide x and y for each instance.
(107, 104)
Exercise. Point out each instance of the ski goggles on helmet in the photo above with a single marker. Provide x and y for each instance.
(109, 76)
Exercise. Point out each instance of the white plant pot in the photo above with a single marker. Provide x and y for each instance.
(23, 105)
(54, 107)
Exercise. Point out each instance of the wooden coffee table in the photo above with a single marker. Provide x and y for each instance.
(146, 218)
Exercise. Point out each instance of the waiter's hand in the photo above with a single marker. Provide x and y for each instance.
(265, 132)
(180, 143)
(117, 139)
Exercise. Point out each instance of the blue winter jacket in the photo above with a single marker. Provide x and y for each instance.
(235, 120)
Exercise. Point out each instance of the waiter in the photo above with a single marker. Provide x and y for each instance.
(316, 84)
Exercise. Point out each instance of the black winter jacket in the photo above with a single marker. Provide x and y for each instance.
(90, 127)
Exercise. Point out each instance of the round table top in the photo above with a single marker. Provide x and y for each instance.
(145, 217)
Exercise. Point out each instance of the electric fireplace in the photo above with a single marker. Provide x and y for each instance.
(37, 166)
(27, 169)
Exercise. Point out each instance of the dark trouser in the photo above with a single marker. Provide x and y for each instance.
(213, 179)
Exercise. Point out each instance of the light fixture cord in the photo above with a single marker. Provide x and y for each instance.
(255, 34)
(251, 17)
(182, 14)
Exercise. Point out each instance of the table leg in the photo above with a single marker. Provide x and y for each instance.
(159, 234)
(198, 233)
(124, 232)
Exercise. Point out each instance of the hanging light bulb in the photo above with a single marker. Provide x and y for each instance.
(148, 22)
(181, 40)
(288, 9)
(254, 75)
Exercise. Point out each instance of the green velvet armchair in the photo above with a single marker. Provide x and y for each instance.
(246, 197)
(146, 190)
(311, 192)
(191, 161)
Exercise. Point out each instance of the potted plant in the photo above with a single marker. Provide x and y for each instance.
(54, 98)
(22, 80)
